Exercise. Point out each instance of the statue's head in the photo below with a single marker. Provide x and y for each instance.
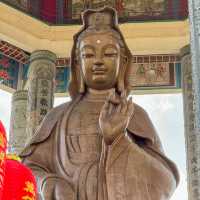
(100, 58)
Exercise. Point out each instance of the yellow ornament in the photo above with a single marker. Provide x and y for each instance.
(13, 157)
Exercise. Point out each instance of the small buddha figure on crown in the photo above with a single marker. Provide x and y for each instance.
(100, 145)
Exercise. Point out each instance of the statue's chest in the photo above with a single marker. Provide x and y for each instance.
(83, 131)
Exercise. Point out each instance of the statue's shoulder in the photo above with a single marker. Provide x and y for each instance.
(45, 128)
(49, 122)
(56, 112)
(141, 125)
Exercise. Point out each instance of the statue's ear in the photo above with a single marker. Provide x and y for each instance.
(121, 76)
(81, 83)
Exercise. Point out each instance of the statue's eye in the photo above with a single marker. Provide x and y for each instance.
(110, 54)
(87, 55)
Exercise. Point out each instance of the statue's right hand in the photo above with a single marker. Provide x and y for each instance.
(57, 189)
(115, 116)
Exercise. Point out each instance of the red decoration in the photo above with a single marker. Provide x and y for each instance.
(48, 10)
(19, 182)
(16, 180)
(3, 147)
(5, 62)
(4, 75)
(183, 8)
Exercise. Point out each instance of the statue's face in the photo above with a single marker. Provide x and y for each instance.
(100, 61)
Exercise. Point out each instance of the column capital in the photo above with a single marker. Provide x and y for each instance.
(42, 65)
(185, 50)
(43, 54)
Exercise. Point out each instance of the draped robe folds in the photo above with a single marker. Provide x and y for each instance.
(133, 167)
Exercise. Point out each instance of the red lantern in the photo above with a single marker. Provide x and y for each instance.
(19, 182)
(16, 180)
(3, 147)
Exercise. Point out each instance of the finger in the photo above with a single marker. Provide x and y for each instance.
(118, 108)
(130, 108)
(123, 94)
(111, 108)
(105, 108)
(114, 98)
(123, 102)
(110, 94)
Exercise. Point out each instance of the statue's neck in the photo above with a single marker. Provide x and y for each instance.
(98, 95)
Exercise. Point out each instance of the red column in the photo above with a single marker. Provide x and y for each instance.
(65, 9)
(183, 12)
(48, 10)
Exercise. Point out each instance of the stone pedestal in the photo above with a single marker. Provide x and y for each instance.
(18, 136)
(191, 136)
(41, 78)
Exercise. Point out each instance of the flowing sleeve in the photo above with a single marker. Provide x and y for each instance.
(136, 164)
(142, 130)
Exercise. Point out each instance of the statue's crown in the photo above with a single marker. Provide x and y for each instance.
(101, 19)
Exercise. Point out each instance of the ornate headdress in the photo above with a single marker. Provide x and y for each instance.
(97, 22)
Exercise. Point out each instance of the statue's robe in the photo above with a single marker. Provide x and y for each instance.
(133, 167)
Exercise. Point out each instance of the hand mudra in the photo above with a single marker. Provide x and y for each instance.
(115, 116)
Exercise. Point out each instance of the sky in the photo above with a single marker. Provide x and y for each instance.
(166, 113)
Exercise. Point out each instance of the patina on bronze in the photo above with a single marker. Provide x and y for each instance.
(100, 146)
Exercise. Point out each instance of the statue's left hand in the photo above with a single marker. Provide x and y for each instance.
(115, 116)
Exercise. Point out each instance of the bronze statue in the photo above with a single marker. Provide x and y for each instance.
(100, 146)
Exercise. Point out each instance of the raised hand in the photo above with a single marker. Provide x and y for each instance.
(115, 116)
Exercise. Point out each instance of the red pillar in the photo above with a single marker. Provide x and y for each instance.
(183, 8)
(48, 10)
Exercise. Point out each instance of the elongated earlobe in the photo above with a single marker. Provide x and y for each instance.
(81, 84)
(121, 76)
(80, 81)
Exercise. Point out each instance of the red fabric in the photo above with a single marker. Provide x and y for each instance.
(19, 182)
(3, 146)
(3, 132)
(16, 180)
(48, 10)
(183, 8)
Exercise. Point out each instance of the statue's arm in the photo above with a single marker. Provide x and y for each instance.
(37, 155)
(39, 158)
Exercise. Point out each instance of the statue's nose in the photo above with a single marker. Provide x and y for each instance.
(98, 65)
(98, 62)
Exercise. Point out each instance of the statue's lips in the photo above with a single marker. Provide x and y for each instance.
(99, 72)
